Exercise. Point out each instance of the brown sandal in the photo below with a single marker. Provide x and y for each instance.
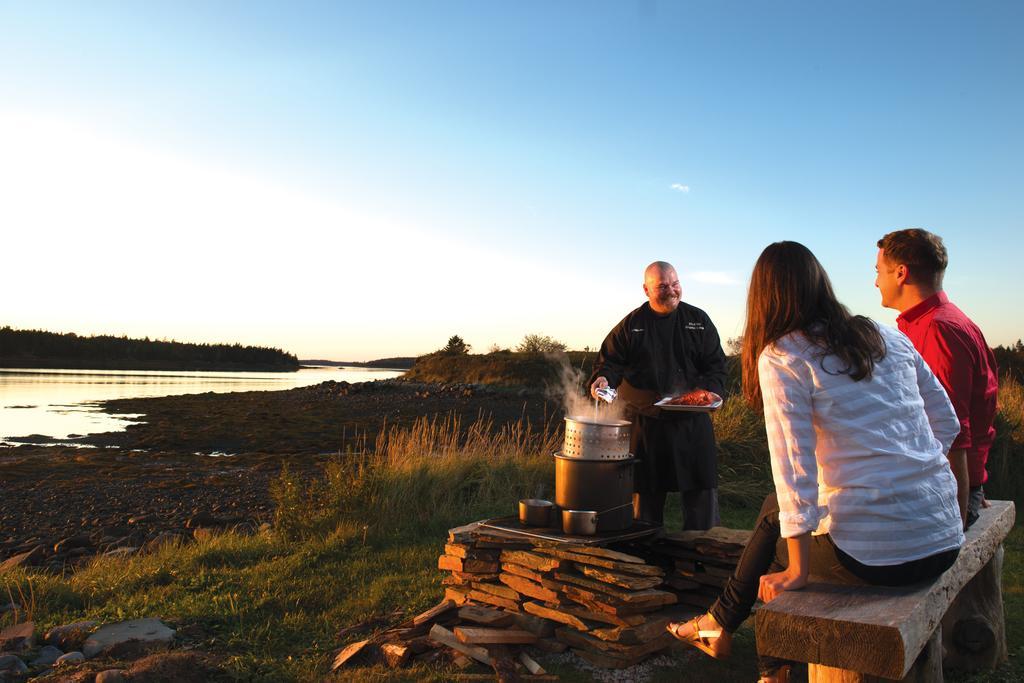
(710, 642)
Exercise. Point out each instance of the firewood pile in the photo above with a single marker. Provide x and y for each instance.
(508, 600)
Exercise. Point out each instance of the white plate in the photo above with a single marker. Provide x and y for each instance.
(691, 409)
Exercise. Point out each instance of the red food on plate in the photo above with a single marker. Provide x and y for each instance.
(697, 397)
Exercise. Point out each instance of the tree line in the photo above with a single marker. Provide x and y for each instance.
(26, 347)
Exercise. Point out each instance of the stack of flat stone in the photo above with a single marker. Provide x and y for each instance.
(703, 561)
(610, 607)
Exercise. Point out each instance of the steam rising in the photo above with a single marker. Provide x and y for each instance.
(573, 391)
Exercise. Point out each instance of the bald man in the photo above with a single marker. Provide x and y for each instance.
(663, 348)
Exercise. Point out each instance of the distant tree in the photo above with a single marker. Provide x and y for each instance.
(456, 346)
(535, 343)
(733, 346)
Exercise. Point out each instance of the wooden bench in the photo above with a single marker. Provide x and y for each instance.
(871, 633)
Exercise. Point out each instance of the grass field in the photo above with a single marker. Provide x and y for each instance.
(358, 548)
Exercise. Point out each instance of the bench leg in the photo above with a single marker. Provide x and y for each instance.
(927, 668)
(974, 627)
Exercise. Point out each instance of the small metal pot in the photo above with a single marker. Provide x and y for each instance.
(535, 512)
(585, 522)
(579, 522)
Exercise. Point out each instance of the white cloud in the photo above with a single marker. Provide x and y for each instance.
(679, 187)
(714, 277)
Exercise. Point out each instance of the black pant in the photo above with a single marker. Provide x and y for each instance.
(700, 508)
(760, 557)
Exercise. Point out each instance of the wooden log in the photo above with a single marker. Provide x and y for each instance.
(531, 560)
(442, 636)
(871, 629)
(625, 567)
(349, 653)
(534, 590)
(532, 666)
(395, 654)
(974, 626)
(420, 644)
(461, 661)
(498, 589)
(485, 616)
(481, 635)
(927, 668)
(434, 612)
(633, 583)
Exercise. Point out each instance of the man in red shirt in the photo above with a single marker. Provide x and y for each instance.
(910, 267)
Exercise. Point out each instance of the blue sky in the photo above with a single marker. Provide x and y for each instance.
(359, 180)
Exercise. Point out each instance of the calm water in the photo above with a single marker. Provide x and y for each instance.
(61, 404)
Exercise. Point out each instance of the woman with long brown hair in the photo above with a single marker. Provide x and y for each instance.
(858, 428)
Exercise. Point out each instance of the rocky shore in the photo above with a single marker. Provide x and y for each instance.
(156, 481)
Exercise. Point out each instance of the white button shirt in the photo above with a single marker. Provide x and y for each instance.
(863, 461)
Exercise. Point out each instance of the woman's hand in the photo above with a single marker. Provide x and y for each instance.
(772, 585)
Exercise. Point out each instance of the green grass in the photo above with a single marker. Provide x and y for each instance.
(360, 545)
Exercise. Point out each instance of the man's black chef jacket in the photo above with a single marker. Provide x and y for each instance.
(647, 357)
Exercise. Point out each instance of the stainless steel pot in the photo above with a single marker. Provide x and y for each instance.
(536, 512)
(579, 522)
(587, 439)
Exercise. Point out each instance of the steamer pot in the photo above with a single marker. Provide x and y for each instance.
(591, 485)
(591, 440)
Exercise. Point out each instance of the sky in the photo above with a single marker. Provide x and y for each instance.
(352, 181)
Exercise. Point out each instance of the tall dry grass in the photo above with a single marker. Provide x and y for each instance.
(433, 474)
(1006, 459)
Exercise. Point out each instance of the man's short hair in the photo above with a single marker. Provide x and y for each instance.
(921, 251)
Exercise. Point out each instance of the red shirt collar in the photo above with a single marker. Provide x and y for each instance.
(917, 310)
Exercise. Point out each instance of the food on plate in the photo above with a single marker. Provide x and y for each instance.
(697, 397)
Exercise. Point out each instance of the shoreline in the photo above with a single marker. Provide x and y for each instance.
(72, 364)
(160, 477)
